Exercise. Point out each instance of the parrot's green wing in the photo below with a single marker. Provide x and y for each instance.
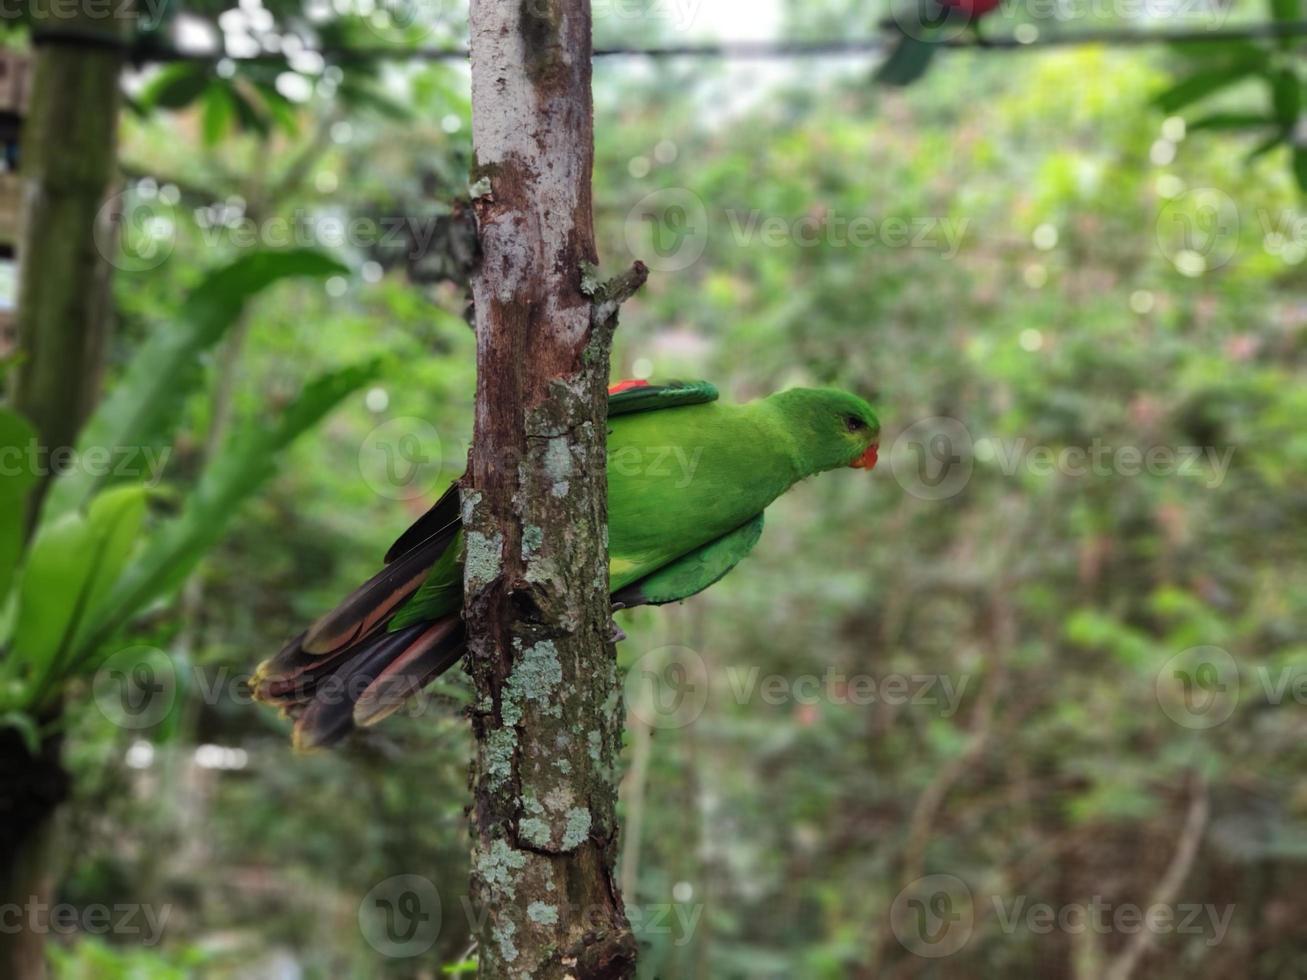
(625, 398)
(630, 397)
(441, 593)
(693, 572)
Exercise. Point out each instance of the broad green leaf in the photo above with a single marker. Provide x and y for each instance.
(249, 458)
(115, 518)
(219, 112)
(249, 113)
(1205, 83)
(1286, 97)
(175, 87)
(275, 107)
(1226, 52)
(141, 412)
(16, 478)
(73, 564)
(1300, 167)
(1286, 11)
(1266, 146)
(359, 94)
(1231, 120)
(53, 580)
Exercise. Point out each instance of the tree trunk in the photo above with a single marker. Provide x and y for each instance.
(547, 719)
(69, 150)
(69, 155)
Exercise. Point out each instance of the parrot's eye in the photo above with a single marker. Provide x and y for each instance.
(853, 423)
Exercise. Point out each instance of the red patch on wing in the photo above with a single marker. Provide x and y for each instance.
(622, 386)
(867, 461)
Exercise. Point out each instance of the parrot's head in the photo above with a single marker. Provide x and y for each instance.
(831, 428)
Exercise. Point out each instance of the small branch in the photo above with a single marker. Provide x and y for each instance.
(1182, 862)
(922, 823)
(611, 295)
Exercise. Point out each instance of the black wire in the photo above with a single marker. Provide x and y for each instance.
(1112, 37)
(75, 38)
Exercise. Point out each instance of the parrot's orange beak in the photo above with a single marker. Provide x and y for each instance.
(867, 460)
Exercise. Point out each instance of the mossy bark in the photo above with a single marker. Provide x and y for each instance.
(548, 718)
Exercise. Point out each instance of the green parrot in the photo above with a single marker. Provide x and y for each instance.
(688, 480)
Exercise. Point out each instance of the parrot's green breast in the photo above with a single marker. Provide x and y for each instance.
(682, 477)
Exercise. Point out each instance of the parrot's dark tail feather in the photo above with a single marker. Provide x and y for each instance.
(358, 685)
(441, 521)
(323, 701)
(372, 602)
(443, 646)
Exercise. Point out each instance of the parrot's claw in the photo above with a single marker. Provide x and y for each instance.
(617, 635)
